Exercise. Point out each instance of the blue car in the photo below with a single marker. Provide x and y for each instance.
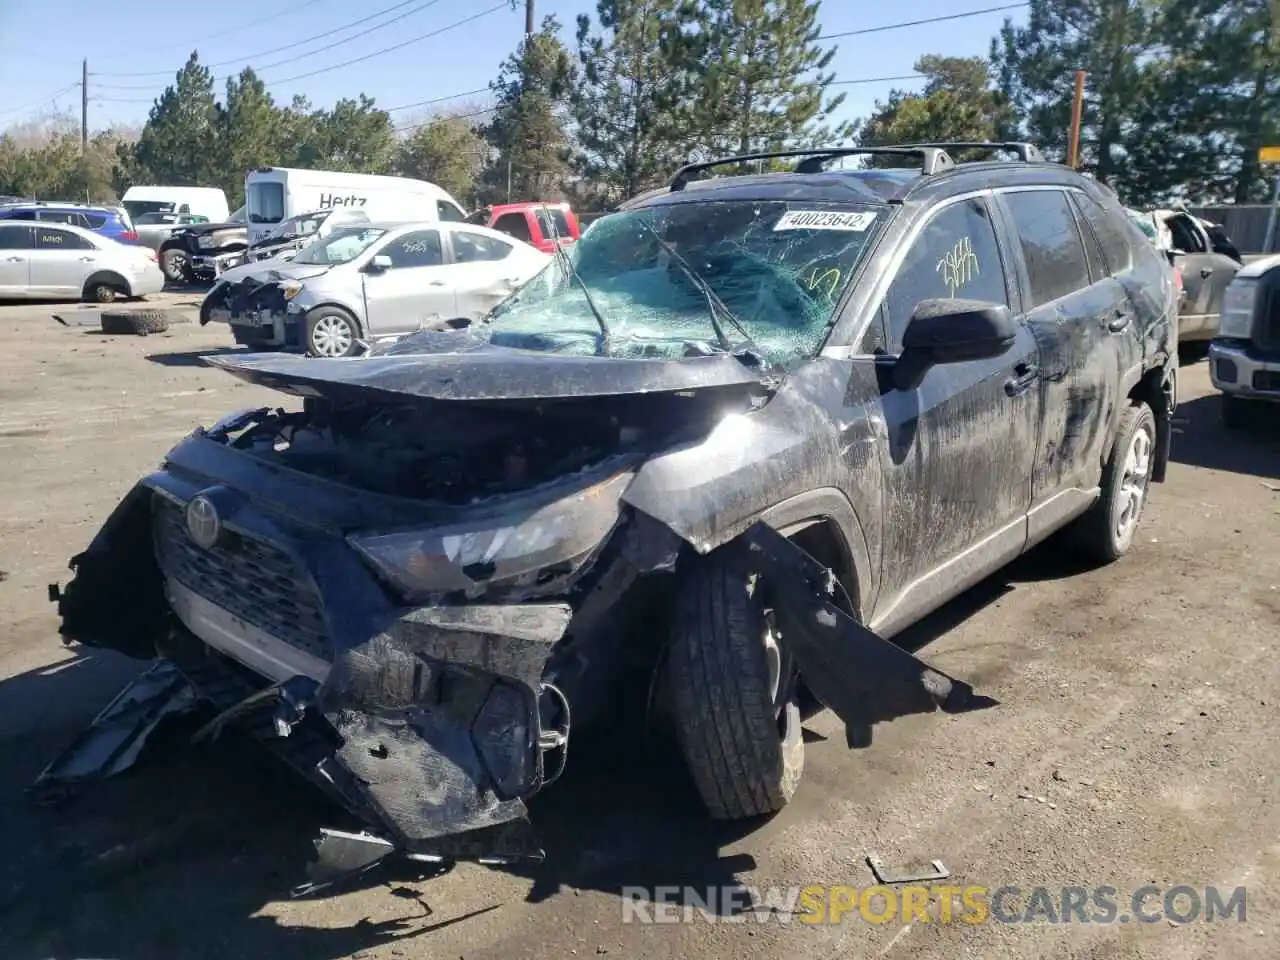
(111, 222)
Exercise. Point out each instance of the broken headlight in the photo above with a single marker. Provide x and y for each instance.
(519, 547)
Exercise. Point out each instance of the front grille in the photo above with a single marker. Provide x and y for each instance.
(1266, 329)
(251, 578)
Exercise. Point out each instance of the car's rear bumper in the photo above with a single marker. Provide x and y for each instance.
(1240, 371)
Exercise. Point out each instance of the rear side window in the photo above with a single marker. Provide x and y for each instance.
(22, 215)
(51, 238)
(15, 237)
(514, 225)
(1051, 244)
(474, 247)
(95, 221)
(60, 216)
(955, 256)
(1110, 231)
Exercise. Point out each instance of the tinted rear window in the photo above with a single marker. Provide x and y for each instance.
(1111, 232)
(1050, 242)
(95, 220)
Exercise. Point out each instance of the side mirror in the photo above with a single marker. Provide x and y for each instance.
(951, 331)
(379, 263)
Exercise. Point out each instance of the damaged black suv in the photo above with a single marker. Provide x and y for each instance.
(744, 431)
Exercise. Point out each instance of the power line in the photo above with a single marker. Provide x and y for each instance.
(288, 46)
(907, 76)
(920, 23)
(504, 5)
(39, 101)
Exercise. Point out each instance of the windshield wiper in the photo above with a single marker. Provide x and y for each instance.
(567, 262)
(714, 303)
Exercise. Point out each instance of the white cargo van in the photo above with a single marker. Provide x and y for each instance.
(273, 194)
(207, 202)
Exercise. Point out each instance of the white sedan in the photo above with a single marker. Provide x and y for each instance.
(372, 281)
(47, 261)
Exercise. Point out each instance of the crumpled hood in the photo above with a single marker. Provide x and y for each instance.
(456, 365)
(264, 270)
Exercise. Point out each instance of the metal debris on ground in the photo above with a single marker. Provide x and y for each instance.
(883, 875)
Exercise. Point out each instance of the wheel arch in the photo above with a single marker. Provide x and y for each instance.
(824, 523)
(1158, 389)
(109, 277)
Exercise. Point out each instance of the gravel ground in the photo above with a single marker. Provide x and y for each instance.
(1138, 701)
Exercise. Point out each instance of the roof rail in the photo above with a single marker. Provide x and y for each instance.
(1026, 152)
(932, 159)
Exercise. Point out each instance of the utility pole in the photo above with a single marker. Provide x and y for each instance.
(84, 105)
(528, 18)
(84, 125)
(1077, 115)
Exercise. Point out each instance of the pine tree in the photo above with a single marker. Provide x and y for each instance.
(633, 105)
(446, 151)
(765, 78)
(178, 143)
(957, 103)
(249, 133)
(1036, 66)
(528, 132)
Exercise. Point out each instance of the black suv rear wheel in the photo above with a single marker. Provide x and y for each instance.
(733, 693)
(1106, 532)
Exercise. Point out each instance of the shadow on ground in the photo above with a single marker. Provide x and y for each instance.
(1201, 439)
(179, 857)
(195, 358)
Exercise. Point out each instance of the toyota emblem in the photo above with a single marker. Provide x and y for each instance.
(202, 522)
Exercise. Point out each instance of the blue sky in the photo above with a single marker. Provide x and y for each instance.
(41, 46)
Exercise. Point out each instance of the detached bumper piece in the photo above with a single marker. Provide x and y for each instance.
(112, 743)
(861, 677)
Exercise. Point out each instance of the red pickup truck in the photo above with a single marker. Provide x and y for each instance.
(534, 223)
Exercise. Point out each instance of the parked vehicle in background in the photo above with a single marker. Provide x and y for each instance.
(154, 229)
(113, 222)
(366, 282)
(1206, 261)
(731, 442)
(191, 252)
(274, 194)
(1244, 357)
(207, 202)
(537, 224)
(295, 233)
(59, 261)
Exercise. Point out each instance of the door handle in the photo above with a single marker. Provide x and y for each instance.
(436, 283)
(15, 259)
(87, 259)
(1119, 321)
(1025, 374)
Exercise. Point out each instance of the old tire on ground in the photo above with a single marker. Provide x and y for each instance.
(176, 265)
(332, 332)
(732, 693)
(1105, 533)
(1234, 412)
(140, 322)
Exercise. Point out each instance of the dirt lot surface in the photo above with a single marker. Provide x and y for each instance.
(1139, 701)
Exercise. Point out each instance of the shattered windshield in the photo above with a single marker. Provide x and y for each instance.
(341, 246)
(779, 267)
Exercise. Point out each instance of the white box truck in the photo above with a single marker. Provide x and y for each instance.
(273, 194)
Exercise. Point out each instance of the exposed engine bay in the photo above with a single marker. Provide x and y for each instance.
(421, 452)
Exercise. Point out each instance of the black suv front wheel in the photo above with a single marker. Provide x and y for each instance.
(733, 691)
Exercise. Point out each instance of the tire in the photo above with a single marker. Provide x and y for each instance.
(1105, 533)
(1234, 412)
(101, 291)
(741, 741)
(140, 322)
(325, 337)
(176, 265)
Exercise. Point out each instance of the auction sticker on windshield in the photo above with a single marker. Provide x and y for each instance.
(824, 220)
